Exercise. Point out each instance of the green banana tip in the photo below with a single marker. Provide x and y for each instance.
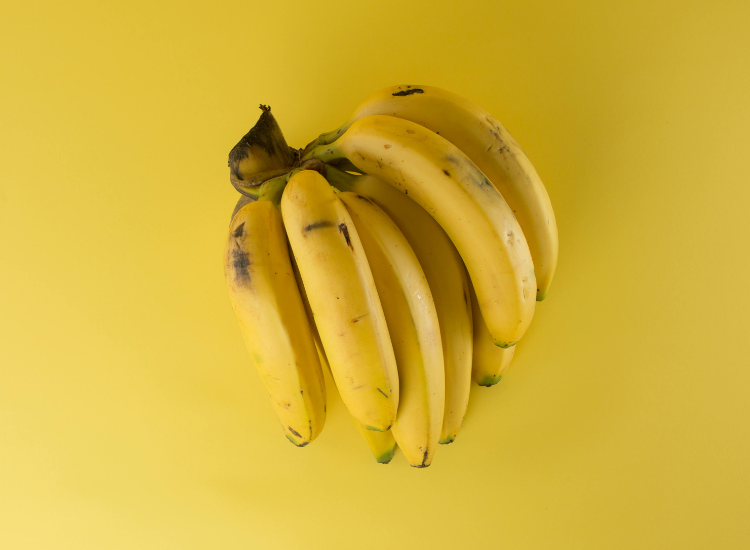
(386, 457)
(374, 429)
(300, 445)
(505, 345)
(489, 381)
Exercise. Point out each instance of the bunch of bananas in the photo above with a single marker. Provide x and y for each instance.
(404, 251)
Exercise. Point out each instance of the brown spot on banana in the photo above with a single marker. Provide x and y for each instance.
(317, 225)
(403, 93)
(345, 231)
(241, 264)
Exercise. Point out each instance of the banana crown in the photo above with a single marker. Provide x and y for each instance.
(261, 154)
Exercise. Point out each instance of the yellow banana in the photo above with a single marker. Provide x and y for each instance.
(413, 324)
(446, 183)
(382, 444)
(446, 277)
(491, 147)
(343, 299)
(267, 302)
(489, 361)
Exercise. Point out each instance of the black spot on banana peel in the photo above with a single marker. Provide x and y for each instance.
(424, 460)
(239, 231)
(317, 225)
(384, 394)
(343, 229)
(408, 92)
(261, 150)
(293, 431)
(241, 263)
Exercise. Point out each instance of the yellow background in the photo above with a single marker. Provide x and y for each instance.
(129, 414)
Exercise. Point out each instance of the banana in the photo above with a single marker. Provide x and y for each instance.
(267, 302)
(446, 277)
(489, 361)
(491, 147)
(260, 155)
(343, 299)
(382, 444)
(413, 324)
(446, 183)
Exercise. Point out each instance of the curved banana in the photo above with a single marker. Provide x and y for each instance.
(491, 147)
(490, 361)
(267, 302)
(382, 444)
(448, 282)
(343, 299)
(446, 183)
(413, 324)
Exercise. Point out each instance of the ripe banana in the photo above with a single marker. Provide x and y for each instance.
(267, 302)
(446, 183)
(490, 146)
(446, 277)
(489, 361)
(343, 299)
(382, 444)
(413, 324)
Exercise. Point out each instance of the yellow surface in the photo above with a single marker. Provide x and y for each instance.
(129, 413)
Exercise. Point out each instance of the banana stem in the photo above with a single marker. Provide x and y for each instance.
(272, 189)
(326, 138)
(325, 153)
(330, 137)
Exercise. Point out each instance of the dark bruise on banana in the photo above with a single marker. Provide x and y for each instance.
(409, 91)
(240, 259)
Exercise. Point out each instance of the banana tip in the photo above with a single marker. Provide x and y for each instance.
(386, 458)
(489, 381)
